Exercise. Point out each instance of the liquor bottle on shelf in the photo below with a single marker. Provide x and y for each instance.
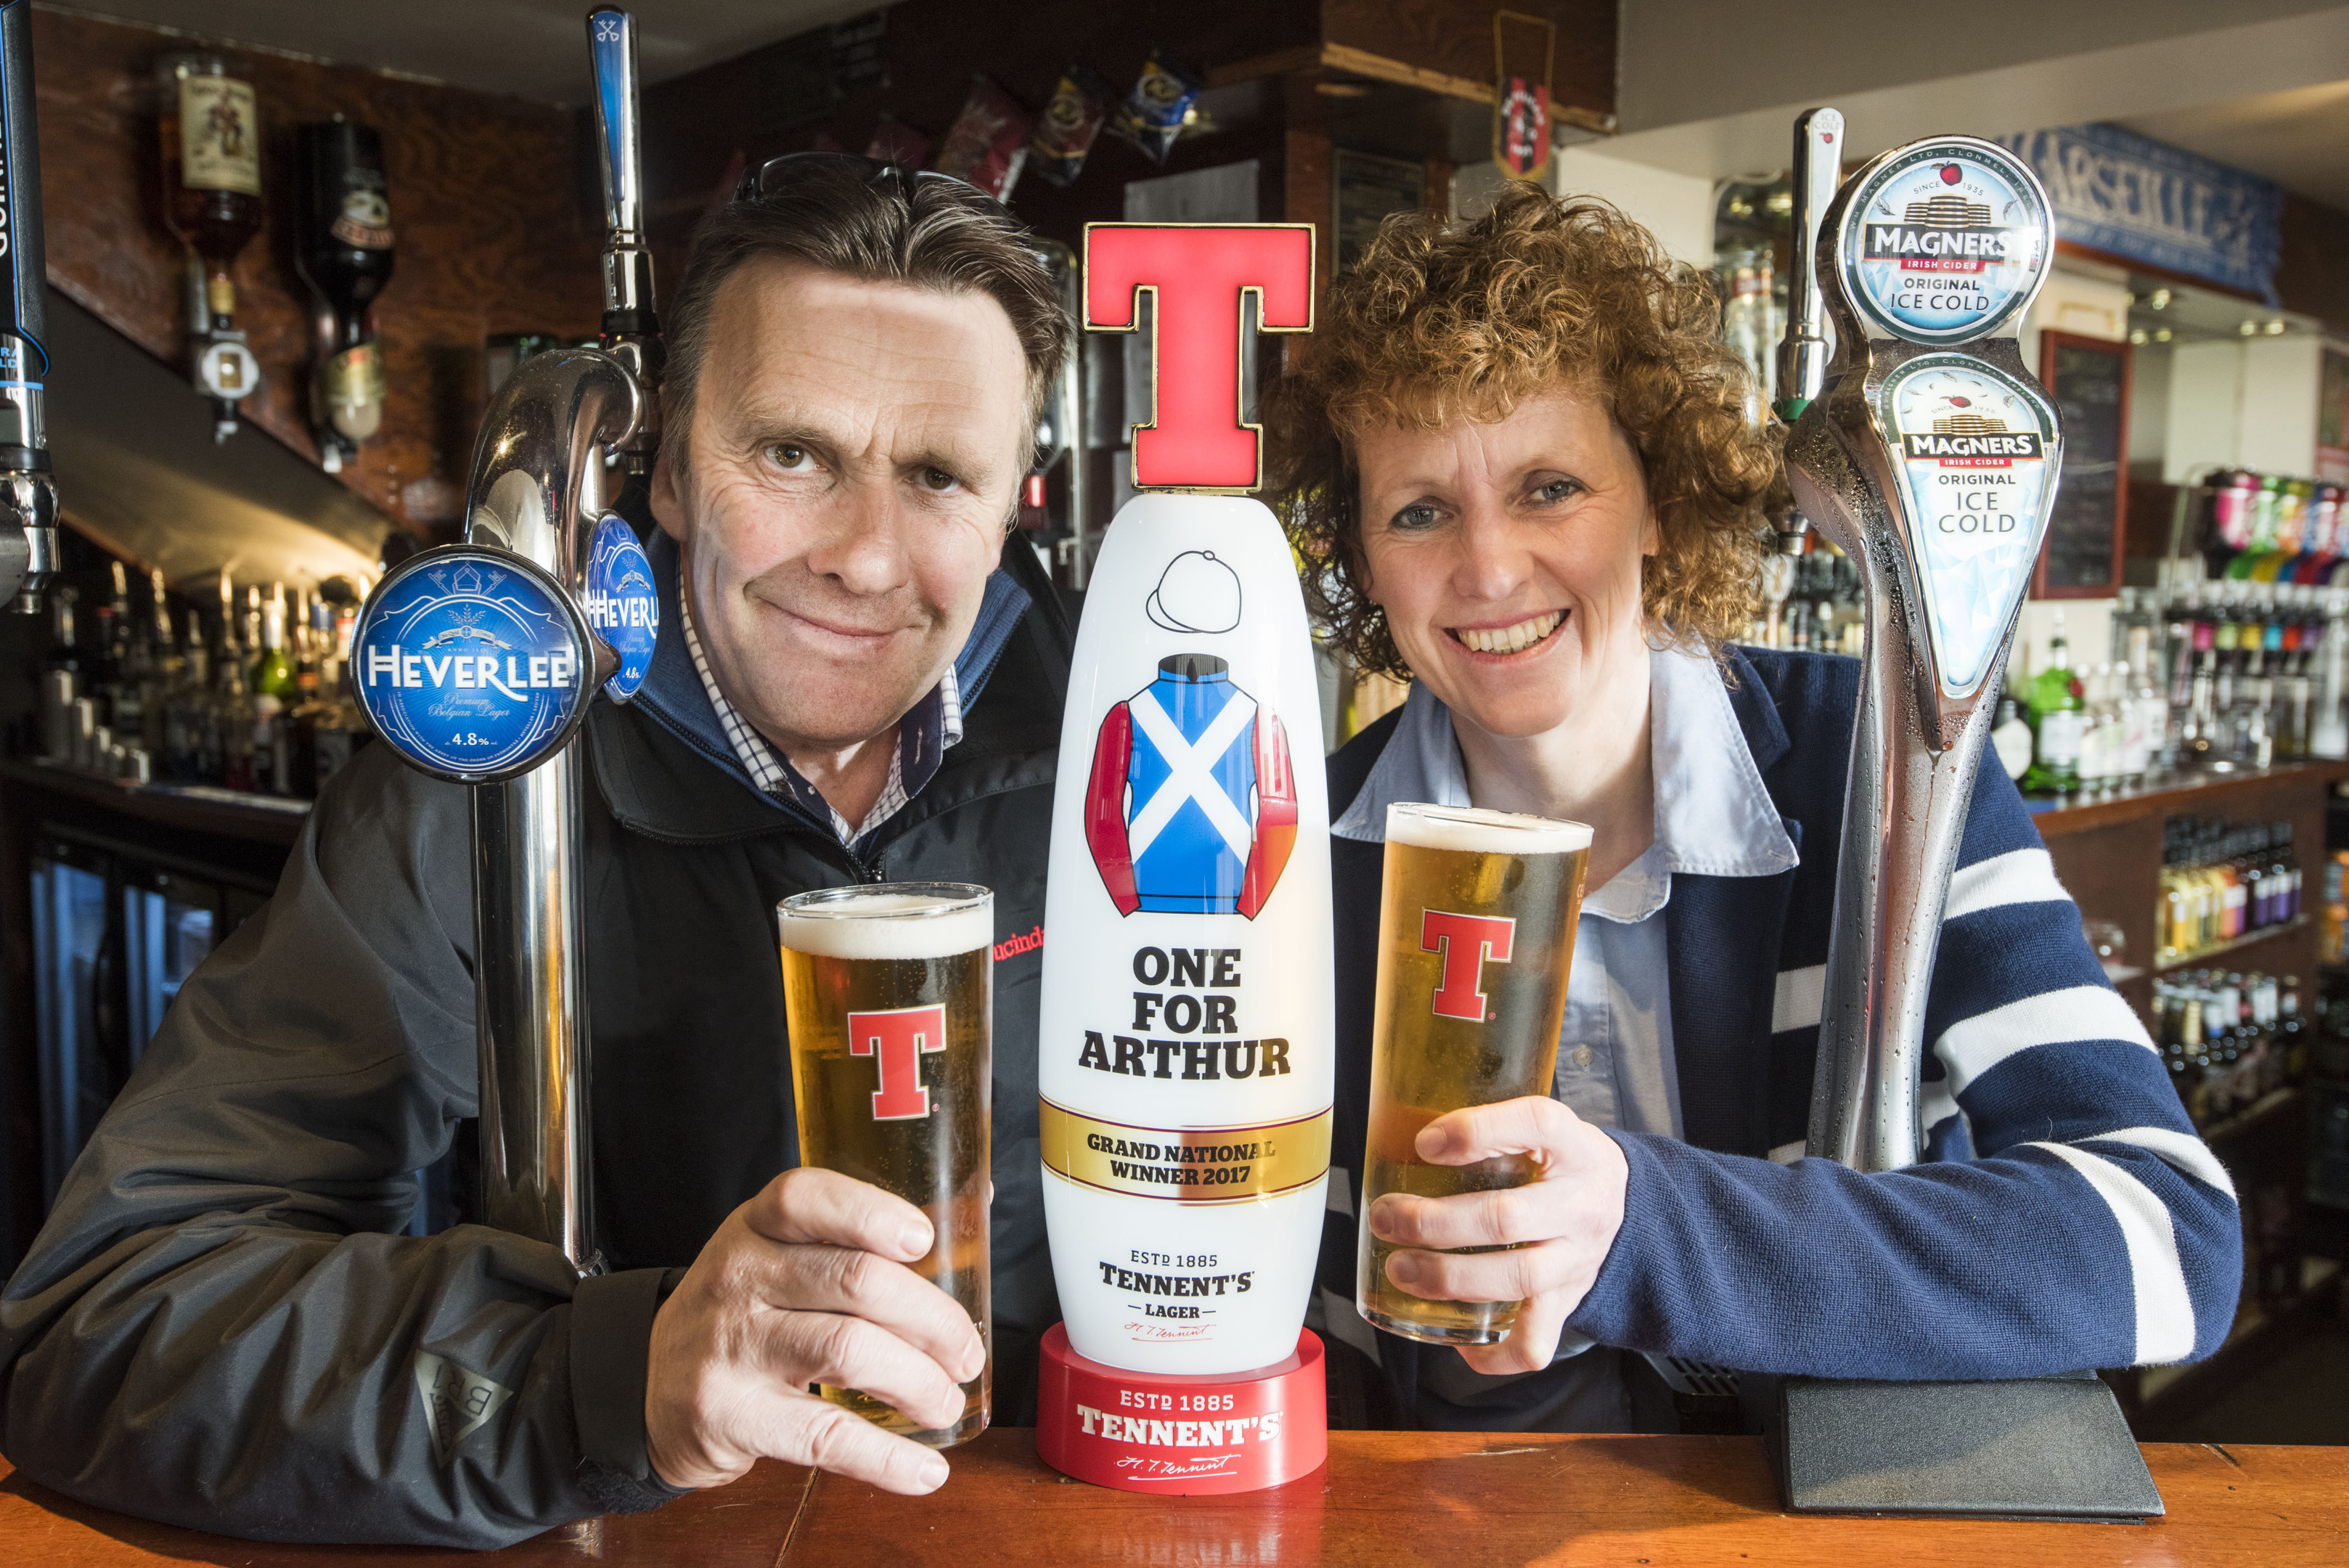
(343, 249)
(166, 658)
(132, 661)
(2292, 1034)
(2009, 738)
(232, 701)
(185, 708)
(273, 688)
(61, 677)
(2057, 723)
(210, 125)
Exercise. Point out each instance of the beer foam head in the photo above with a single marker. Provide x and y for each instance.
(903, 920)
(1476, 831)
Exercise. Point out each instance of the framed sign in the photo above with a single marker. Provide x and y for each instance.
(2089, 381)
(1364, 189)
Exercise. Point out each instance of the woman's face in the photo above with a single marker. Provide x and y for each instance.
(1507, 556)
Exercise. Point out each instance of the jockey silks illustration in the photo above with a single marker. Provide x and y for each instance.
(1192, 804)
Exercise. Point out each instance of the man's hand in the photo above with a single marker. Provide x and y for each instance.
(1561, 1224)
(805, 1283)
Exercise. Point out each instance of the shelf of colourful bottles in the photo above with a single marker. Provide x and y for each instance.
(2223, 885)
(2203, 676)
(2236, 1043)
(2272, 529)
(248, 703)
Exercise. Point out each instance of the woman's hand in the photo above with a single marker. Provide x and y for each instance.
(1561, 1224)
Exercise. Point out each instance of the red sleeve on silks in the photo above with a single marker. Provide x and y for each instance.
(1276, 813)
(1106, 809)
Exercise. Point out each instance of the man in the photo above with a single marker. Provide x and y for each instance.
(855, 681)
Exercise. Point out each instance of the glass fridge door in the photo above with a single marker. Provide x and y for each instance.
(170, 923)
(73, 956)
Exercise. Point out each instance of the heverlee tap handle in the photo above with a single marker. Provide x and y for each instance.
(1803, 354)
(612, 47)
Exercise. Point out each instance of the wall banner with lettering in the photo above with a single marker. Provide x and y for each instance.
(2144, 201)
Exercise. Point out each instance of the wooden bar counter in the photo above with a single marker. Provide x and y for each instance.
(1457, 1501)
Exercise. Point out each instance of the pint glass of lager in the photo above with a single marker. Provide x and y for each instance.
(891, 1004)
(1475, 937)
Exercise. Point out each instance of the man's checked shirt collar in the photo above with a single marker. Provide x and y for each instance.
(923, 736)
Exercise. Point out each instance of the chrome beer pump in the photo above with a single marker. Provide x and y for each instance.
(478, 663)
(1925, 450)
(28, 496)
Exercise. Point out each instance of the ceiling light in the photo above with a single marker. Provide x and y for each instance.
(2275, 329)
(2137, 336)
(2161, 335)
(2249, 329)
(2160, 300)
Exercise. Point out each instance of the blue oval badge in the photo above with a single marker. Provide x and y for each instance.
(1945, 241)
(472, 663)
(621, 605)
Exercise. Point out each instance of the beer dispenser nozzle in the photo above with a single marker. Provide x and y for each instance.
(631, 330)
(28, 496)
(1930, 456)
(549, 574)
(1803, 352)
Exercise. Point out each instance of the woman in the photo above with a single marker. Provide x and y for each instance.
(1516, 455)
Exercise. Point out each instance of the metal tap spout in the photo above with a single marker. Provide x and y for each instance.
(1803, 352)
(537, 490)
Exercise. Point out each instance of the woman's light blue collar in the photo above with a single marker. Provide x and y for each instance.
(1714, 815)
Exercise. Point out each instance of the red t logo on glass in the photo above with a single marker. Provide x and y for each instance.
(1199, 274)
(901, 1038)
(1466, 941)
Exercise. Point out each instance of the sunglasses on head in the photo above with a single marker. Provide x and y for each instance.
(777, 176)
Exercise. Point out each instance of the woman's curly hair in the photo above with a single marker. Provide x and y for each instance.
(1437, 323)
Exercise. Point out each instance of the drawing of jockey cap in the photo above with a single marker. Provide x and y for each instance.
(1196, 593)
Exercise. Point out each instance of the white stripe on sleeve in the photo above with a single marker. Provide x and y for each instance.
(2183, 1150)
(2165, 1311)
(1972, 1046)
(1936, 1106)
(1801, 993)
(2019, 876)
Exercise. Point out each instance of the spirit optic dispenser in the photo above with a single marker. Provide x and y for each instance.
(1931, 457)
(1186, 1026)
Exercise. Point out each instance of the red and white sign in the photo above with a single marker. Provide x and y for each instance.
(1199, 273)
(1182, 1437)
(1467, 942)
(899, 1039)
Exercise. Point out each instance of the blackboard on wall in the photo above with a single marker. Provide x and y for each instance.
(2088, 379)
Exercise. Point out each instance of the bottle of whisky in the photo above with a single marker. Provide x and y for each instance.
(211, 124)
(343, 249)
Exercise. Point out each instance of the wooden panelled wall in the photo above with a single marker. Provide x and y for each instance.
(487, 202)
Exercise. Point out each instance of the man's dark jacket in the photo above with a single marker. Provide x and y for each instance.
(220, 1326)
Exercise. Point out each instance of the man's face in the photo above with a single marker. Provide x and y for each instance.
(854, 452)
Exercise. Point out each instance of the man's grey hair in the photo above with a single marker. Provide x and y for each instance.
(930, 233)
